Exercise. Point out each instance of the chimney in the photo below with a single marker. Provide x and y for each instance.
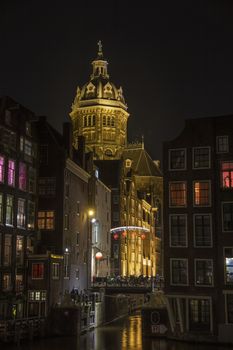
(67, 137)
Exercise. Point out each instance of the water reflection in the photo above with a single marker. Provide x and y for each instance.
(124, 334)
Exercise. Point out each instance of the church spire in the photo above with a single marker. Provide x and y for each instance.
(100, 51)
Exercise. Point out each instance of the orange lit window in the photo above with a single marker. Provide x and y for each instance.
(202, 193)
(38, 271)
(46, 220)
(178, 194)
(227, 174)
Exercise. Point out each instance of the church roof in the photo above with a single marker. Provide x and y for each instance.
(142, 163)
(99, 87)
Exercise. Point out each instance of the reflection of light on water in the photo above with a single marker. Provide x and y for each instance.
(132, 335)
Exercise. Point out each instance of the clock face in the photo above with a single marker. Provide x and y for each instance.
(155, 317)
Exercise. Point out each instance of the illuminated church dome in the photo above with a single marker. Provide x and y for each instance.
(99, 113)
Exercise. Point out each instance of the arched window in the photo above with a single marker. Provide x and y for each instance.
(89, 120)
(104, 120)
(113, 121)
(85, 120)
(108, 121)
(93, 120)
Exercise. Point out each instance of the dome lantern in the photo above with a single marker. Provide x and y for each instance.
(99, 64)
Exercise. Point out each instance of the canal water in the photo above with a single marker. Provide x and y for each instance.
(123, 334)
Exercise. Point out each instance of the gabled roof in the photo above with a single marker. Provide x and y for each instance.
(142, 164)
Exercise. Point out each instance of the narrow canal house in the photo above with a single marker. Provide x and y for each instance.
(18, 172)
(100, 114)
(198, 224)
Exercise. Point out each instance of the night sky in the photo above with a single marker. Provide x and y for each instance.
(174, 61)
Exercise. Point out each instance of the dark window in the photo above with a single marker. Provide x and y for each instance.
(202, 230)
(179, 271)
(204, 272)
(199, 314)
(177, 159)
(227, 216)
(178, 237)
(222, 144)
(229, 300)
(201, 157)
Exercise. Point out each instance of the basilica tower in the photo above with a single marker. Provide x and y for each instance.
(99, 113)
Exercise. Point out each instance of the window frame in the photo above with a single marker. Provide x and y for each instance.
(222, 204)
(186, 231)
(43, 274)
(210, 197)
(193, 158)
(171, 275)
(194, 230)
(185, 159)
(195, 273)
(224, 264)
(217, 143)
(169, 193)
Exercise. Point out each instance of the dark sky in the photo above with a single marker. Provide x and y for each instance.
(174, 61)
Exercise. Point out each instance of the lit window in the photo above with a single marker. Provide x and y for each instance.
(43, 295)
(177, 159)
(21, 213)
(179, 271)
(222, 144)
(19, 250)
(31, 215)
(227, 216)
(37, 295)
(201, 193)
(2, 172)
(28, 148)
(11, 172)
(178, 230)
(201, 157)
(9, 210)
(178, 194)
(46, 220)
(202, 230)
(31, 296)
(227, 174)
(55, 271)
(22, 176)
(18, 283)
(228, 256)
(204, 272)
(6, 282)
(37, 270)
(1, 208)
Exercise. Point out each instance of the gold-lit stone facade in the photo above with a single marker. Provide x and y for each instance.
(141, 199)
(99, 113)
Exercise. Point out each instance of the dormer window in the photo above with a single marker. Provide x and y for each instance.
(128, 163)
